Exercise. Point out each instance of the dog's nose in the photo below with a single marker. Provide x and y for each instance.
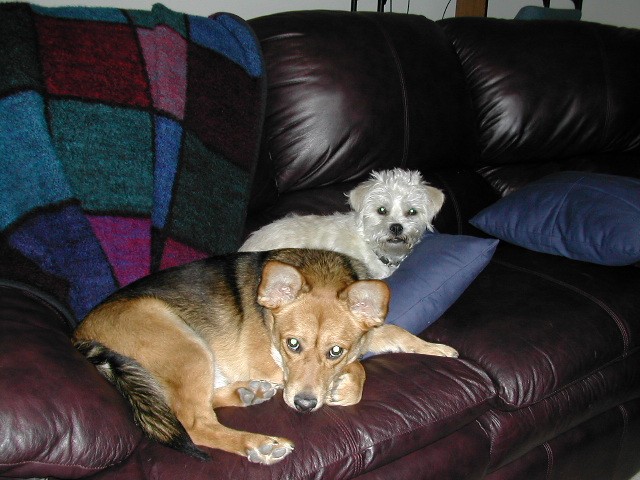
(396, 229)
(305, 402)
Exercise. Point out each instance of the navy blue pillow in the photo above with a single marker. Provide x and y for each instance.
(584, 216)
(436, 273)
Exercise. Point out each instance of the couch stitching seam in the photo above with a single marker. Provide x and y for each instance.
(625, 426)
(549, 451)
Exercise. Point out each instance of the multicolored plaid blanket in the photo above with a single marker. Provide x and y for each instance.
(128, 141)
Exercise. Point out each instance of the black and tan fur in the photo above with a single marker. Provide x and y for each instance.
(231, 331)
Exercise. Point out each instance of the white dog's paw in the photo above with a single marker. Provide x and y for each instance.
(257, 391)
(270, 451)
(439, 350)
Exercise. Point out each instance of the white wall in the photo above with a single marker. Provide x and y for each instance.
(614, 12)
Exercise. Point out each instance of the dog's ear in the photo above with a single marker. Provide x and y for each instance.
(435, 200)
(280, 284)
(358, 195)
(368, 300)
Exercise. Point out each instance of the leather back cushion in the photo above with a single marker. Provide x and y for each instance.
(550, 90)
(351, 92)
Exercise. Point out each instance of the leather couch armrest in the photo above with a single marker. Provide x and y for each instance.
(58, 416)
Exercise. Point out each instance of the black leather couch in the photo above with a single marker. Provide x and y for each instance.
(548, 380)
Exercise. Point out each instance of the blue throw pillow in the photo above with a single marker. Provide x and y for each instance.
(436, 273)
(584, 216)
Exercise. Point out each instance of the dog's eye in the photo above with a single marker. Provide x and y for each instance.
(412, 211)
(293, 344)
(334, 352)
(382, 210)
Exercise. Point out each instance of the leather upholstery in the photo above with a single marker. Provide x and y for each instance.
(584, 451)
(352, 93)
(573, 347)
(58, 416)
(550, 93)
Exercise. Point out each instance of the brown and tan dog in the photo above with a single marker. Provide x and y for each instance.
(231, 331)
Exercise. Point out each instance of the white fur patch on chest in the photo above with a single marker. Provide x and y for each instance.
(219, 378)
(277, 357)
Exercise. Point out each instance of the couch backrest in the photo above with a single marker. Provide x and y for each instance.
(561, 92)
(351, 92)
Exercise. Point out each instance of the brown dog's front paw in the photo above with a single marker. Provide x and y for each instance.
(343, 394)
(257, 391)
(271, 451)
(347, 388)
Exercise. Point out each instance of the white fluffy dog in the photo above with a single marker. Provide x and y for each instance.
(390, 213)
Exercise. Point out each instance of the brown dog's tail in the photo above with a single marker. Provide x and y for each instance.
(150, 409)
